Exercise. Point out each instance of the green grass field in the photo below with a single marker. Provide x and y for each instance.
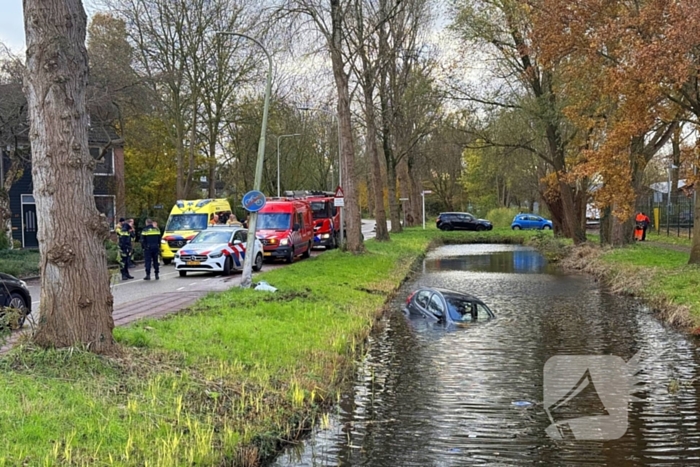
(229, 380)
(224, 382)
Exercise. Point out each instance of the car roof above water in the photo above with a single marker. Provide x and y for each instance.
(453, 293)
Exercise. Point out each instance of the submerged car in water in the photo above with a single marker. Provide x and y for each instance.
(447, 306)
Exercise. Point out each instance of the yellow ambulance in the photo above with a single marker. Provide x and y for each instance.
(187, 219)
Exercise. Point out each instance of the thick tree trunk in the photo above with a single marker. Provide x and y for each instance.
(415, 198)
(353, 218)
(695, 248)
(394, 213)
(76, 303)
(377, 187)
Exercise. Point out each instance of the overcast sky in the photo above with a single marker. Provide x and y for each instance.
(12, 25)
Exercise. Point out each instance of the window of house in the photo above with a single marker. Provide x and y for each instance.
(104, 162)
(106, 205)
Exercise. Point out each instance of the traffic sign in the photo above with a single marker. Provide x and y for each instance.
(253, 201)
(339, 192)
(403, 199)
(427, 192)
(339, 202)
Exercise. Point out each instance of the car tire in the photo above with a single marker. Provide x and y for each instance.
(307, 252)
(18, 301)
(258, 265)
(334, 241)
(447, 227)
(547, 227)
(516, 227)
(182, 273)
(227, 266)
(480, 228)
(289, 259)
(167, 261)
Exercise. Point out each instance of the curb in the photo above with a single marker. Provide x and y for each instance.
(110, 267)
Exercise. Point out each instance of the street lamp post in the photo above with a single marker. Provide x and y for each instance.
(278, 158)
(247, 277)
(340, 165)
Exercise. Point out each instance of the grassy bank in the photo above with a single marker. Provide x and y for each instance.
(653, 272)
(226, 381)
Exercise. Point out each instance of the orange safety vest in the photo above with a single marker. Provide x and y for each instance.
(640, 217)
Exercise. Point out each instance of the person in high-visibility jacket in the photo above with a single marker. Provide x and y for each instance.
(150, 240)
(642, 222)
(125, 248)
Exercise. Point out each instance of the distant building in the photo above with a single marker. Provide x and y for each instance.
(109, 191)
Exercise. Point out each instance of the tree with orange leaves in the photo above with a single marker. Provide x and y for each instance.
(505, 28)
(626, 108)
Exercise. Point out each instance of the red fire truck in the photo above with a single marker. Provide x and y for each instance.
(326, 216)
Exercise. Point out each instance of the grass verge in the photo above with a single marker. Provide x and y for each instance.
(654, 273)
(225, 382)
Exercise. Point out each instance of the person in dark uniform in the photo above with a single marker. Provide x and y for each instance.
(150, 240)
(125, 248)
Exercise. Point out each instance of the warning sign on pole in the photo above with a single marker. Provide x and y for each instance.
(339, 192)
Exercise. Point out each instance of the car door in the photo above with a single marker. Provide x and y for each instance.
(537, 222)
(436, 307)
(238, 239)
(468, 222)
(421, 301)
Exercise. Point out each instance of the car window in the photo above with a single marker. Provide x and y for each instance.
(273, 221)
(212, 236)
(435, 305)
(422, 298)
(460, 308)
(241, 235)
(483, 312)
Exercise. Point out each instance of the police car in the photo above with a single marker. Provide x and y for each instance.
(217, 249)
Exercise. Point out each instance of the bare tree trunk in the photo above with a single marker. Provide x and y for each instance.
(414, 197)
(212, 168)
(179, 147)
(353, 218)
(382, 233)
(695, 248)
(76, 303)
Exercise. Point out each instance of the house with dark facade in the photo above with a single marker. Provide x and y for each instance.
(109, 191)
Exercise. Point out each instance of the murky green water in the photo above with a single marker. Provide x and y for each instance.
(426, 396)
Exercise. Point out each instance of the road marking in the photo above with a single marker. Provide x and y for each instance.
(206, 279)
(193, 283)
(133, 281)
(180, 288)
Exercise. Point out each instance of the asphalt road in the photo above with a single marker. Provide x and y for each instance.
(170, 282)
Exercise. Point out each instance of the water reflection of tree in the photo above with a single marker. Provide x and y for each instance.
(389, 395)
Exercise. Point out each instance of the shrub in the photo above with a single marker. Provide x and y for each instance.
(502, 217)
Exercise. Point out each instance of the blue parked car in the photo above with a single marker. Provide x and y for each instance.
(530, 221)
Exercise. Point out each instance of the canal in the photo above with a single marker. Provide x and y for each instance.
(488, 394)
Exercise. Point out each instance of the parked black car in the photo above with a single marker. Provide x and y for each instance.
(461, 221)
(15, 294)
(447, 306)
